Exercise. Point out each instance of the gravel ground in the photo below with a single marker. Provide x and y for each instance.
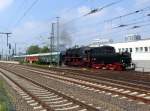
(98, 99)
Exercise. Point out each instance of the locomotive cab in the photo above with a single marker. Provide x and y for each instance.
(101, 56)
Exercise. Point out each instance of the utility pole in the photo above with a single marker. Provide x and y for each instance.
(7, 35)
(2, 53)
(51, 42)
(15, 52)
(9, 47)
(58, 33)
(58, 49)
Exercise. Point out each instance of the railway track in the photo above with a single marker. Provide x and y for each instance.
(42, 98)
(121, 90)
(112, 76)
(143, 87)
(129, 77)
(138, 96)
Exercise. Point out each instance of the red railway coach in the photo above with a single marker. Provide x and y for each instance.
(32, 59)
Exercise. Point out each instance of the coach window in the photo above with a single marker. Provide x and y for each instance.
(122, 49)
(146, 49)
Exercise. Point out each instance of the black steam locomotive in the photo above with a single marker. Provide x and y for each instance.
(98, 57)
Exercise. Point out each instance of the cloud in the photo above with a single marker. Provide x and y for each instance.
(80, 23)
(5, 3)
(120, 11)
(86, 36)
(30, 32)
(141, 3)
(83, 10)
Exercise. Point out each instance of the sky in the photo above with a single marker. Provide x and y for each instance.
(34, 26)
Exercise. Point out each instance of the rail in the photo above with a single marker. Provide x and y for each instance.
(82, 104)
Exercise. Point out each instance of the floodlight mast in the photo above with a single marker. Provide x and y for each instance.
(7, 36)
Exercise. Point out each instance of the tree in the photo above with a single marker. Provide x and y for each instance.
(45, 49)
(33, 49)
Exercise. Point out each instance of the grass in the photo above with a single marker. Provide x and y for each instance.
(5, 104)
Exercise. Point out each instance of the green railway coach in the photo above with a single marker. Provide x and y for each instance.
(41, 58)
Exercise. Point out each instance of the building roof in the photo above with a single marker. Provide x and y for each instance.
(132, 41)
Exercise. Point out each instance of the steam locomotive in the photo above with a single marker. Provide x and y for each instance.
(98, 57)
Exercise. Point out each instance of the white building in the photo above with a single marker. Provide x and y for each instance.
(140, 52)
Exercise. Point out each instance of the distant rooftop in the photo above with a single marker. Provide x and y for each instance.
(128, 38)
(132, 37)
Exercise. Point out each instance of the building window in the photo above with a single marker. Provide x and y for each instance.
(130, 49)
(126, 49)
(136, 49)
(141, 49)
(146, 49)
(119, 50)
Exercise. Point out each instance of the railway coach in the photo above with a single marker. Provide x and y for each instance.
(42, 58)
